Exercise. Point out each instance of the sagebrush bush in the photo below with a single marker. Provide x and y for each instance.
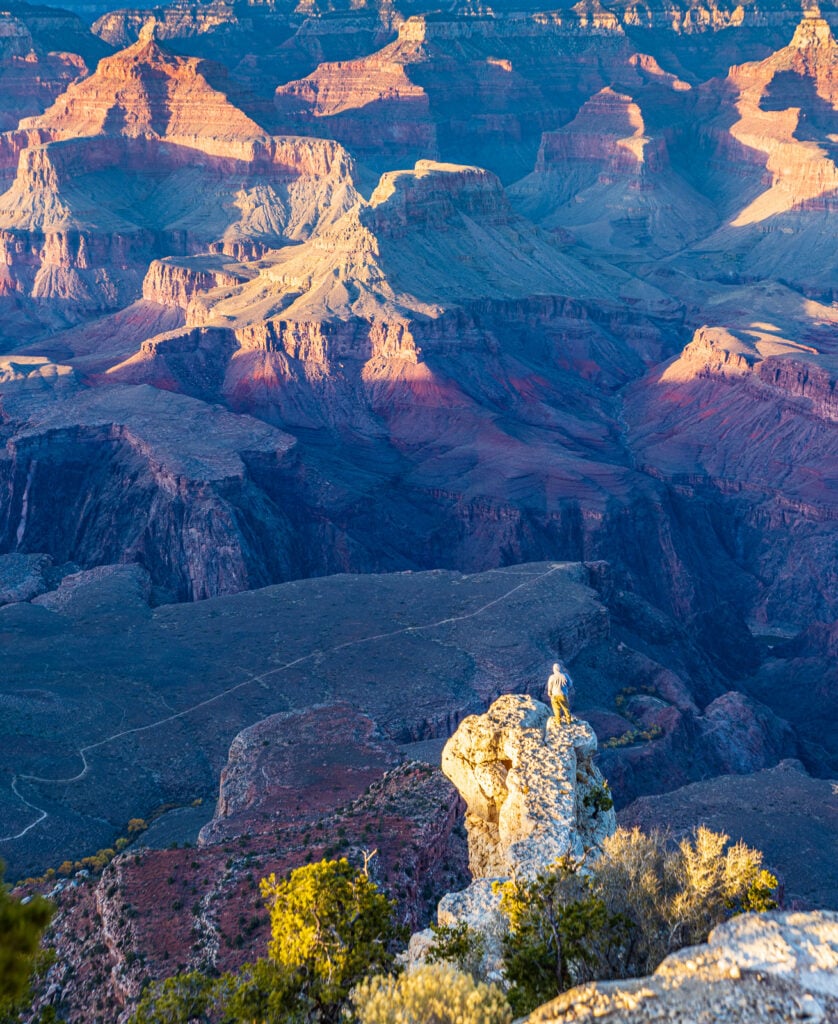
(432, 994)
(643, 898)
(674, 895)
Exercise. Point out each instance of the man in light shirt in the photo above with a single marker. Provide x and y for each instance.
(559, 686)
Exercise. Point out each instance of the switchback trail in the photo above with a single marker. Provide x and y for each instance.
(531, 578)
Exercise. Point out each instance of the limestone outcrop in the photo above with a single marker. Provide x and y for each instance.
(757, 965)
(525, 779)
(533, 795)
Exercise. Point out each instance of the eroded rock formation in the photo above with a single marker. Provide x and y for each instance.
(605, 330)
(525, 779)
(607, 179)
(434, 350)
(142, 125)
(33, 71)
(533, 795)
(775, 130)
(155, 907)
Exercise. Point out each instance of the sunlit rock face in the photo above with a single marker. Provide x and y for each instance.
(325, 294)
(525, 777)
(33, 70)
(786, 961)
(462, 309)
(772, 141)
(532, 797)
(147, 158)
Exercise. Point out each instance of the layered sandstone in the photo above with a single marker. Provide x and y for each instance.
(43, 50)
(135, 127)
(364, 327)
(719, 422)
(146, 92)
(782, 111)
(348, 329)
(770, 366)
(170, 283)
(701, 41)
(369, 105)
(350, 292)
(610, 182)
(257, 43)
(121, 28)
(143, 91)
(295, 766)
(136, 434)
(477, 88)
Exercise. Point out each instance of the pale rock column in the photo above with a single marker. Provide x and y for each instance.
(524, 777)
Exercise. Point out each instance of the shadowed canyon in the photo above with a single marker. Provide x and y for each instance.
(359, 360)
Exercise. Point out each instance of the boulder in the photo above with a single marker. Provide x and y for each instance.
(782, 965)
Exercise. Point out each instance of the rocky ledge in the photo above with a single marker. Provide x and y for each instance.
(754, 968)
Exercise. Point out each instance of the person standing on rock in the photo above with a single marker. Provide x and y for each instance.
(559, 686)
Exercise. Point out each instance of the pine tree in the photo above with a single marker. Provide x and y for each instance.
(21, 928)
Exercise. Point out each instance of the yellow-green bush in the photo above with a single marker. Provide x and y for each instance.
(643, 898)
(433, 994)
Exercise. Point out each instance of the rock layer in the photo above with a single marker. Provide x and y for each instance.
(170, 167)
(607, 178)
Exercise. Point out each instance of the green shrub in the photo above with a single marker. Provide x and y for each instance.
(641, 900)
(459, 945)
(631, 736)
(599, 798)
(178, 1000)
(21, 928)
(560, 934)
(676, 894)
(330, 926)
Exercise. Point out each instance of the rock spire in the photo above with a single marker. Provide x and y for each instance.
(532, 795)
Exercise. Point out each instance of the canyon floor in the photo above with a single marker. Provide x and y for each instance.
(137, 714)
